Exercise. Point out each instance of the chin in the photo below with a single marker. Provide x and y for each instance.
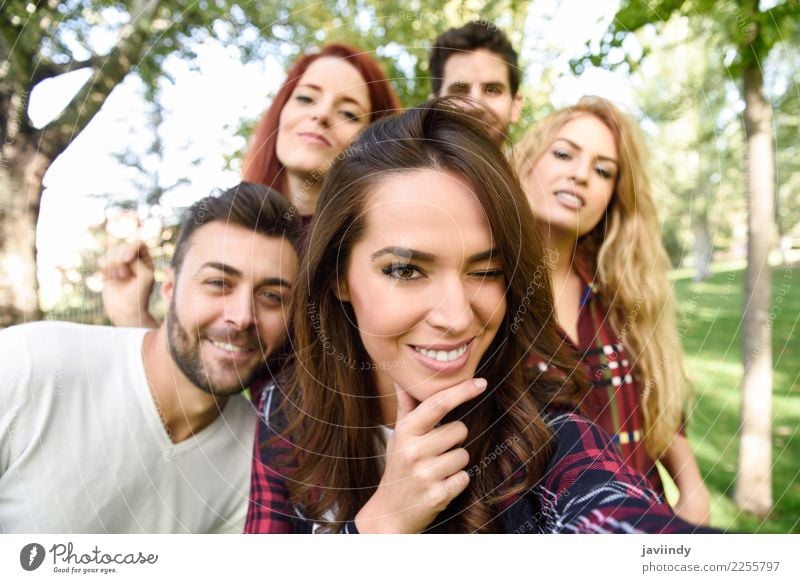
(424, 388)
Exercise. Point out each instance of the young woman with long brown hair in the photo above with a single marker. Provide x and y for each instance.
(584, 172)
(407, 407)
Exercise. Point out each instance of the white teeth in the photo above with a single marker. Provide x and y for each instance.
(569, 198)
(441, 355)
(228, 347)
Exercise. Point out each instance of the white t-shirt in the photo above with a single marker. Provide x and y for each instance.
(83, 449)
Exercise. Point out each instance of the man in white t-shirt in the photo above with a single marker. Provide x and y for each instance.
(133, 430)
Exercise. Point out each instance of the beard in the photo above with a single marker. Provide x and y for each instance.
(218, 379)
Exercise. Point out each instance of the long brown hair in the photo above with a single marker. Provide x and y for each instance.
(337, 461)
(261, 162)
(625, 256)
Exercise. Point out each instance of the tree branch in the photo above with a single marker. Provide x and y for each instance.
(46, 68)
(109, 71)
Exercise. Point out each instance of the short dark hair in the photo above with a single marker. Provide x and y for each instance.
(470, 37)
(249, 205)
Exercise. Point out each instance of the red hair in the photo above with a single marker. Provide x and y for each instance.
(261, 164)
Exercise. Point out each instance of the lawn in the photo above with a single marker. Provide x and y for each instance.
(709, 319)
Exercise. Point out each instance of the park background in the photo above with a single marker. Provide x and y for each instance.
(116, 115)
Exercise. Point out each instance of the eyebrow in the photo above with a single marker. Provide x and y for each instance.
(230, 270)
(463, 82)
(577, 147)
(413, 254)
(344, 97)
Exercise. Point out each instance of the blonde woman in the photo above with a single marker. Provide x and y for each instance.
(584, 174)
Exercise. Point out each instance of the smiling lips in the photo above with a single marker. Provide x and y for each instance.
(234, 351)
(442, 358)
(442, 355)
(315, 138)
(570, 199)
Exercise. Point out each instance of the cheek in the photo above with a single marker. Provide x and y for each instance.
(196, 308)
(382, 313)
(286, 123)
(272, 325)
(377, 316)
(346, 133)
(534, 188)
(601, 198)
(491, 306)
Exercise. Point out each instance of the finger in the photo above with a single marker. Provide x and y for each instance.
(432, 410)
(449, 463)
(444, 438)
(453, 486)
(143, 253)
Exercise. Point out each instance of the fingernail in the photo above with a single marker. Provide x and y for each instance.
(480, 383)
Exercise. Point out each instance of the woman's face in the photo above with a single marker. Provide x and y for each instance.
(326, 110)
(570, 186)
(425, 283)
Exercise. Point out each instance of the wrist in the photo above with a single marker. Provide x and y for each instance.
(373, 518)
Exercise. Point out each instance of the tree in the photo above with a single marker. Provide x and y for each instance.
(750, 35)
(696, 147)
(44, 39)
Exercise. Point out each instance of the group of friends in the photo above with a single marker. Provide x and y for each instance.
(435, 330)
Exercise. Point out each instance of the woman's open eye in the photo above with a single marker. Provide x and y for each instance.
(402, 271)
(303, 98)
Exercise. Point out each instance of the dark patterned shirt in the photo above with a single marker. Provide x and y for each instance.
(586, 488)
(613, 401)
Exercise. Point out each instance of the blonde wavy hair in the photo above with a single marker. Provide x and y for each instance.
(625, 255)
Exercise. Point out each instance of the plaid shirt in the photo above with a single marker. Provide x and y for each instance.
(613, 399)
(586, 488)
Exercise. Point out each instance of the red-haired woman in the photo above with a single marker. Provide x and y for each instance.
(327, 99)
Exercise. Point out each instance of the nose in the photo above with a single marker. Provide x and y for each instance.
(323, 111)
(475, 92)
(240, 308)
(581, 169)
(451, 309)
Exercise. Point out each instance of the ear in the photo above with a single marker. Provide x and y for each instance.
(516, 107)
(168, 287)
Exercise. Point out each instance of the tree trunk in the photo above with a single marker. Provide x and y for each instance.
(703, 249)
(753, 489)
(22, 168)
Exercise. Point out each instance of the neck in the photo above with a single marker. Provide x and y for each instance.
(185, 409)
(303, 192)
(387, 398)
(559, 253)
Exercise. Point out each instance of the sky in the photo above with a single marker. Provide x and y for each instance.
(205, 106)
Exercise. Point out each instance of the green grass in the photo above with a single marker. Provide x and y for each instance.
(709, 317)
